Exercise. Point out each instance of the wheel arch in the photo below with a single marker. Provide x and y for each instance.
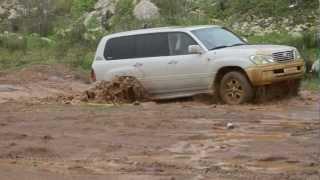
(223, 71)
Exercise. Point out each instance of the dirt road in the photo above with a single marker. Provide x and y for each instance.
(176, 140)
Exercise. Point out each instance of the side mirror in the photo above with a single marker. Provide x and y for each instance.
(195, 49)
(245, 39)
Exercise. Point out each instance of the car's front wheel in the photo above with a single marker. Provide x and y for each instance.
(235, 88)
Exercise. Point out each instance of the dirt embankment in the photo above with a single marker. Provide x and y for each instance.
(40, 81)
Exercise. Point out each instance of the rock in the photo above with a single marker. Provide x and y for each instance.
(146, 10)
(230, 126)
(103, 11)
(316, 67)
(3, 12)
(9, 3)
(199, 177)
(150, 104)
(236, 26)
(13, 14)
(136, 103)
(46, 40)
(89, 17)
(285, 21)
(299, 28)
(105, 5)
(296, 34)
(8, 88)
(47, 137)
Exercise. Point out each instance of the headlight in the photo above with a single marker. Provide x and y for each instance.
(261, 59)
(297, 54)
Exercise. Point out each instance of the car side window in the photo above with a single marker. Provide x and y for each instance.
(120, 48)
(179, 43)
(152, 45)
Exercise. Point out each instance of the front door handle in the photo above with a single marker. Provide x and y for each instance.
(173, 62)
(138, 65)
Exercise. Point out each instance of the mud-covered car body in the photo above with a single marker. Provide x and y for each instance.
(176, 62)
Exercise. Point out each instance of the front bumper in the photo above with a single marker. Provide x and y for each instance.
(267, 74)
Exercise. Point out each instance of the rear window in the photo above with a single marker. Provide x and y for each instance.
(120, 48)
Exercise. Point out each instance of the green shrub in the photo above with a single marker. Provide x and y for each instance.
(15, 59)
(175, 10)
(34, 41)
(87, 60)
(63, 6)
(81, 6)
(123, 18)
(13, 41)
(312, 84)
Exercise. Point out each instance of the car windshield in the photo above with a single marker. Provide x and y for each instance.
(217, 38)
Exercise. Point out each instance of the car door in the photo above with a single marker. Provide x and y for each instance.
(186, 71)
(152, 52)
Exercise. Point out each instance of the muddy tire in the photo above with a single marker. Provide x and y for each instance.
(294, 87)
(235, 88)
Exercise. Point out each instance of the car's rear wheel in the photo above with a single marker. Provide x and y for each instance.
(235, 88)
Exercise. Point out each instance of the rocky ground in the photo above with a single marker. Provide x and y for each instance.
(41, 138)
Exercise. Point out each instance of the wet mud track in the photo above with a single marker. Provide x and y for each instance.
(44, 137)
(172, 140)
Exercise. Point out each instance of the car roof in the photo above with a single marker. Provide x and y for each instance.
(160, 29)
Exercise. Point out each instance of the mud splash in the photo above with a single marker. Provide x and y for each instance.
(119, 90)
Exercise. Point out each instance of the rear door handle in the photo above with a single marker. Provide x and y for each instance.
(173, 62)
(138, 65)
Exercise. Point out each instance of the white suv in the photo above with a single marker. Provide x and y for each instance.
(176, 62)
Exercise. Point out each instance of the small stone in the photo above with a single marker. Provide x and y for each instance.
(316, 67)
(13, 162)
(2, 11)
(230, 126)
(12, 144)
(136, 103)
(7, 88)
(47, 137)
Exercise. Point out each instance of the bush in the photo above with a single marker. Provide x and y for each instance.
(174, 11)
(78, 57)
(34, 41)
(15, 59)
(123, 18)
(38, 17)
(63, 7)
(81, 6)
(312, 84)
(13, 41)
